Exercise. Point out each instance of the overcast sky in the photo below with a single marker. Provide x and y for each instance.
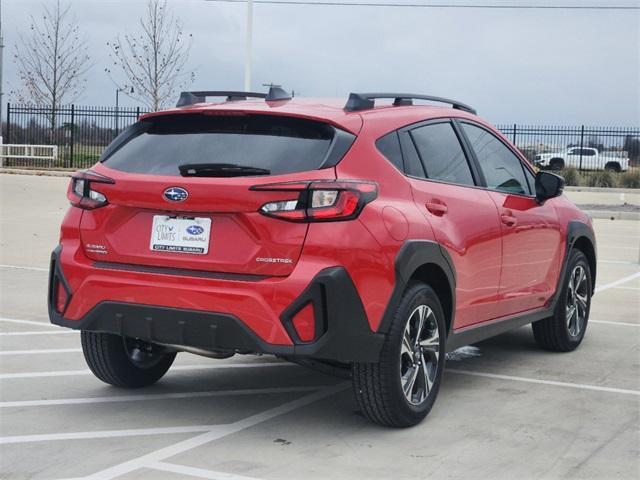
(513, 65)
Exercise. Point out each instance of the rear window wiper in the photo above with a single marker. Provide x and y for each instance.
(220, 170)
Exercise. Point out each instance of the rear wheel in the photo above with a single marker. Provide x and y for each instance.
(613, 167)
(556, 164)
(565, 330)
(401, 388)
(123, 361)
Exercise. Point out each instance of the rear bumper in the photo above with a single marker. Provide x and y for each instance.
(342, 329)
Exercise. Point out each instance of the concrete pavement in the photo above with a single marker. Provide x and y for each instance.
(506, 409)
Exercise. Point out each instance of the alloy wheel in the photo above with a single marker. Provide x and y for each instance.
(419, 354)
(577, 301)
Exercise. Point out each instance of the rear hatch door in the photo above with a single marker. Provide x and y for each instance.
(158, 216)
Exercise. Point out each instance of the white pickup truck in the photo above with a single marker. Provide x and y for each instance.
(592, 159)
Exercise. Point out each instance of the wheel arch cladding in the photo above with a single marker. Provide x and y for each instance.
(428, 262)
(581, 237)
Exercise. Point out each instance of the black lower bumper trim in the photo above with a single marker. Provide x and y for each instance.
(344, 335)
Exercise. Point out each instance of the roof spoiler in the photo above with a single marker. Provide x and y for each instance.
(365, 101)
(189, 98)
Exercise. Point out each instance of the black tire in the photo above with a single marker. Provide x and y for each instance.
(558, 332)
(613, 167)
(378, 386)
(556, 164)
(125, 362)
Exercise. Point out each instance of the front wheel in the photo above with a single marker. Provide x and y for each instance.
(401, 388)
(565, 330)
(123, 361)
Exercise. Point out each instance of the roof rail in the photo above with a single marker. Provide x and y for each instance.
(365, 101)
(189, 98)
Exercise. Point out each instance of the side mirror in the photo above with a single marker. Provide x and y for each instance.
(548, 185)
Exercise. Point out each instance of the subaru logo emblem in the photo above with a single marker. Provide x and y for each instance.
(195, 230)
(175, 194)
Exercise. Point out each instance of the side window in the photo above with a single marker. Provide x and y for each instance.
(502, 169)
(412, 164)
(442, 154)
(389, 146)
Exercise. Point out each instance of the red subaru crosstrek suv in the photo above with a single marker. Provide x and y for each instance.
(361, 239)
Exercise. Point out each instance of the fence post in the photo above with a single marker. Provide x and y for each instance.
(137, 113)
(72, 136)
(515, 130)
(581, 145)
(8, 123)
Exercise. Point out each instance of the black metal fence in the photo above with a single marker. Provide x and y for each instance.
(585, 148)
(81, 133)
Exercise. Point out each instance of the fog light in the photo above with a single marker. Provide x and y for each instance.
(305, 324)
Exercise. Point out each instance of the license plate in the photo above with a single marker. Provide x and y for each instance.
(183, 235)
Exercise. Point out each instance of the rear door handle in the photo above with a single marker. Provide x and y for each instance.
(437, 208)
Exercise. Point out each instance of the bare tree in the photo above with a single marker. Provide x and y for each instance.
(52, 60)
(153, 60)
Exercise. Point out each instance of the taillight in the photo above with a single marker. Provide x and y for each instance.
(319, 200)
(81, 193)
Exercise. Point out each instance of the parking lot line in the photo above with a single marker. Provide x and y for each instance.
(133, 432)
(86, 371)
(220, 432)
(154, 396)
(580, 386)
(623, 324)
(196, 472)
(20, 267)
(626, 279)
(39, 332)
(41, 351)
(27, 322)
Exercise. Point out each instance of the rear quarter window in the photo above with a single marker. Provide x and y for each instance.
(389, 146)
(159, 145)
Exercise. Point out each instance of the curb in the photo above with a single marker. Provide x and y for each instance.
(39, 173)
(602, 190)
(612, 215)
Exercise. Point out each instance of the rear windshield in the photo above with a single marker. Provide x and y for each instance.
(159, 145)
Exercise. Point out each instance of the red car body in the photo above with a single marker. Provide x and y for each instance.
(295, 288)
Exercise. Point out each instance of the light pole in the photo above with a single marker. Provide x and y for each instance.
(118, 90)
(247, 53)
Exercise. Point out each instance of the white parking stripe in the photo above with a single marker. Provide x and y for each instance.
(220, 432)
(196, 472)
(580, 386)
(86, 371)
(626, 279)
(153, 396)
(20, 267)
(28, 322)
(617, 262)
(41, 351)
(216, 430)
(622, 324)
(133, 432)
(39, 332)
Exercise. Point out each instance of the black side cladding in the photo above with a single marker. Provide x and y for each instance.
(412, 255)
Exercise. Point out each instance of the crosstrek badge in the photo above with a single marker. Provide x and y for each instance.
(182, 235)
